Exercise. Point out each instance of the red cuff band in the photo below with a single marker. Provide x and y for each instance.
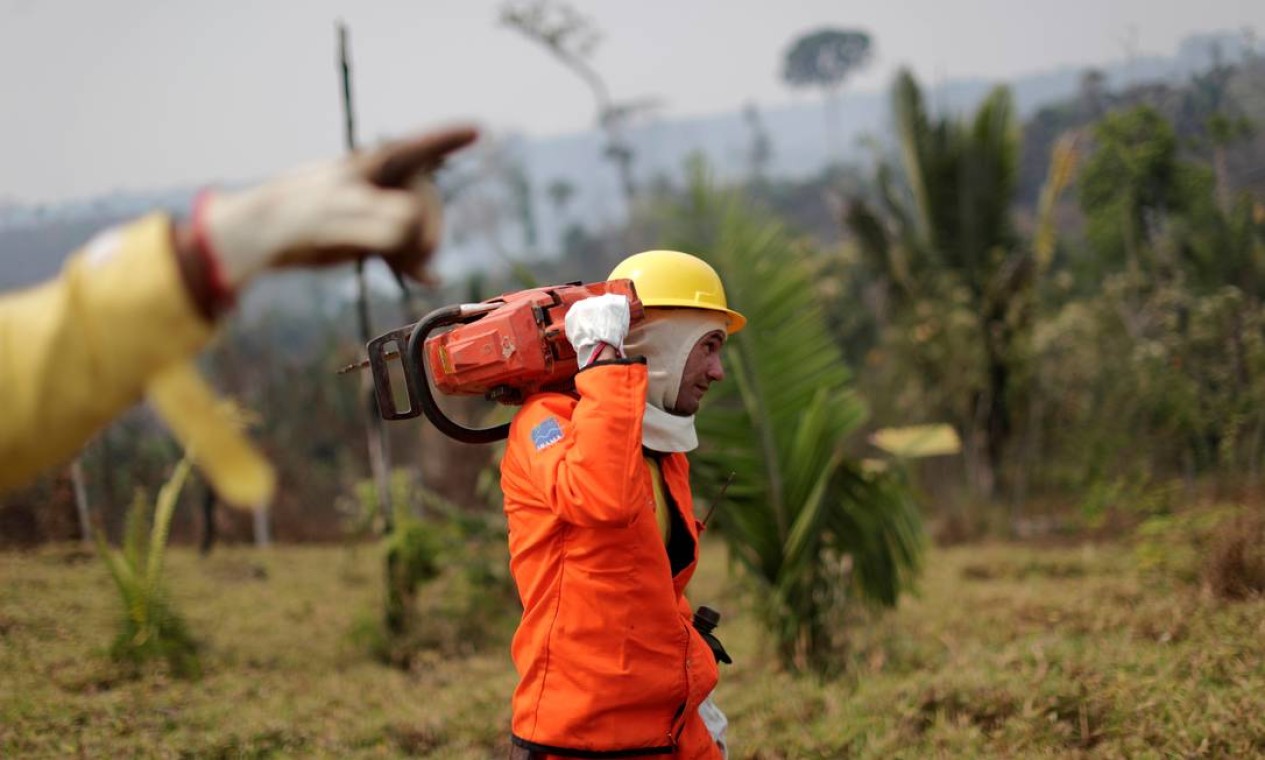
(221, 292)
(601, 344)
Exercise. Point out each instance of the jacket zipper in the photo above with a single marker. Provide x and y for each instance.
(678, 718)
(675, 731)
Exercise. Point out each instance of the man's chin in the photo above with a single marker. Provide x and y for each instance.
(685, 410)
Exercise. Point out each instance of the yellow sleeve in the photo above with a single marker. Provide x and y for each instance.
(80, 349)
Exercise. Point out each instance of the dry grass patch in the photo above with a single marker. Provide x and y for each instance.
(1021, 657)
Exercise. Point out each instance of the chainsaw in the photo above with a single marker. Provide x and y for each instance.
(504, 349)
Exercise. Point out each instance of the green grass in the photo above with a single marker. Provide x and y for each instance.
(1007, 651)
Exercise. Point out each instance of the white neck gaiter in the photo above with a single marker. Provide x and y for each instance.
(666, 337)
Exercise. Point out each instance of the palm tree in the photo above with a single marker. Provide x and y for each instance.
(815, 530)
(945, 241)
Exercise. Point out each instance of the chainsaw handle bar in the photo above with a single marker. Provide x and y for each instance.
(419, 387)
(409, 347)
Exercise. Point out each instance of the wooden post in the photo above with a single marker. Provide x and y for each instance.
(376, 434)
(81, 500)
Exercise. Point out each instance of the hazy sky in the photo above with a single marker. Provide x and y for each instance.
(133, 94)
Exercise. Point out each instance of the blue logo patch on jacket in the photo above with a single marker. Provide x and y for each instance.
(546, 433)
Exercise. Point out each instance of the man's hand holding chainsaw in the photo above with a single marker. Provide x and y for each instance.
(597, 328)
(125, 316)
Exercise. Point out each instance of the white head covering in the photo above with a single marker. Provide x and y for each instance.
(666, 337)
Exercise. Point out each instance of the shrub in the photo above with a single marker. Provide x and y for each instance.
(149, 628)
(1235, 567)
(1222, 549)
(447, 586)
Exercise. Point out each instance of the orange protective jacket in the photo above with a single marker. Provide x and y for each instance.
(609, 662)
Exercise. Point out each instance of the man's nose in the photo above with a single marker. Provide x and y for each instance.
(716, 372)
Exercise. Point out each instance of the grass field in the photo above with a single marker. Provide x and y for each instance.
(1007, 651)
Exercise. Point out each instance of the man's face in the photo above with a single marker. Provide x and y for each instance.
(702, 368)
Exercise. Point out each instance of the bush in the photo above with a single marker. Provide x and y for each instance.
(412, 559)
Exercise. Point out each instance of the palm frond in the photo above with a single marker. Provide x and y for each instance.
(1062, 167)
(914, 134)
(136, 528)
(166, 506)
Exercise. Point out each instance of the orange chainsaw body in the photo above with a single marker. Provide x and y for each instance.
(519, 347)
(504, 349)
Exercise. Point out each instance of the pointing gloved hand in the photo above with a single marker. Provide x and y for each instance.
(595, 324)
(378, 202)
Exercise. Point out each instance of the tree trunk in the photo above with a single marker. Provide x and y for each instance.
(832, 124)
(998, 419)
(983, 478)
(996, 412)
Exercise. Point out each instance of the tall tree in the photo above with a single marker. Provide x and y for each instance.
(825, 58)
(1129, 185)
(1134, 185)
(1157, 214)
(946, 247)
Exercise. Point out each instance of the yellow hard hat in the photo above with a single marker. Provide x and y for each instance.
(672, 278)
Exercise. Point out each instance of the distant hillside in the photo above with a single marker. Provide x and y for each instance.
(33, 241)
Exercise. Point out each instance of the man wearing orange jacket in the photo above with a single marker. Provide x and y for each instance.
(129, 312)
(602, 533)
